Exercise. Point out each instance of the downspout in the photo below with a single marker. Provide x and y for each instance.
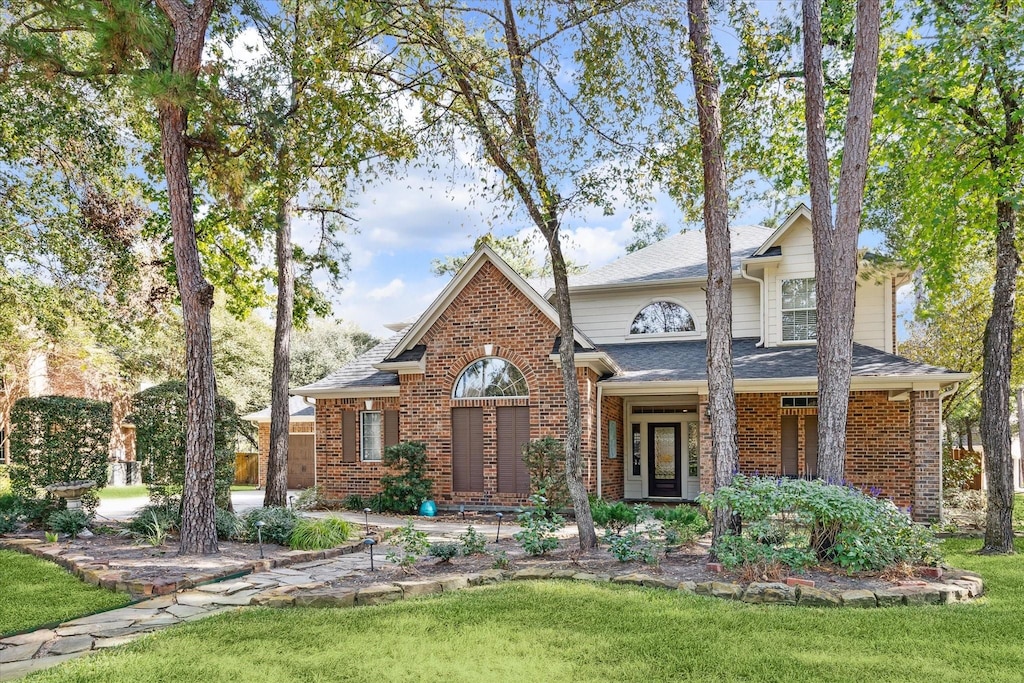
(943, 395)
(600, 391)
(760, 286)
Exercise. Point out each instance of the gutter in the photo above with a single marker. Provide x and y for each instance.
(760, 286)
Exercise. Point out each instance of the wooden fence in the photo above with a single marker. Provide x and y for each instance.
(247, 468)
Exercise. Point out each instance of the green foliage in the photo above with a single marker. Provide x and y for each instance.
(472, 542)
(443, 551)
(70, 522)
(958, 473)
(324, 347)
(279, 523)
(227, 523)
(159, 415)
(153, 517)
(681, 525)
(320, 534)
(539, 524)
(57, 439)
(742, 551)
(404, 492)
(51, 536)
(834, 523)
(409, 544)
(354, 502)
(516, 251)
(501, 560)
(614, 517)
(545, 461)
(633, 545)
(310, 499)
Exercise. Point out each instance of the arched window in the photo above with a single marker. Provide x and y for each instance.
(490, 378)
(662, 317)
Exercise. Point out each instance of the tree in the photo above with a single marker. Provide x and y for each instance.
(961, 89)
(721, 397)
(325, 346)
(555, 139)
(835, 247)
(514, 250)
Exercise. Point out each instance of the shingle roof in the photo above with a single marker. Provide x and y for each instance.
(679, 256)
(681, 361)
(297, 407)
(358, 372)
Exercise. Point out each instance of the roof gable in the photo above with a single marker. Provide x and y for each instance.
(483, 255)
(801, 211)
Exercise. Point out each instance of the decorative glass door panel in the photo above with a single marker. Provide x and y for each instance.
(664, 465)
(692, 488)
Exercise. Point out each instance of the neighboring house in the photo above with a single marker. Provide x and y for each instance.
(301, 446)
(476, 376)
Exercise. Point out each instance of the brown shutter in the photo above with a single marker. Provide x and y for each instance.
(513, 435)
(790, 446)
(390, 428)
(348, 436)
(811, 445)
(467, 449)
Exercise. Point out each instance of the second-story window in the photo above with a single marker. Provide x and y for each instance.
(662, 317)
(799, 310)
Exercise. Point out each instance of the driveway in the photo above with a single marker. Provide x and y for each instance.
(125, 508)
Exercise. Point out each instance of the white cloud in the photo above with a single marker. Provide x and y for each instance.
(388, 291)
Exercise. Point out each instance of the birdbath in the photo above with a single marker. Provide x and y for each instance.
(72, 491)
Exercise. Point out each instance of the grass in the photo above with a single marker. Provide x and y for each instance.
(560, 631)
(119, 492)
(244, 487)
(1018, 511)
(35, 592)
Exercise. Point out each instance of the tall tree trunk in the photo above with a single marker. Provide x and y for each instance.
(721, 396)
(277, 464)
(198, 529)
(835, 248)
(995, 387)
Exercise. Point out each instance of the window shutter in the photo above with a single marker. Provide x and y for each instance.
(390, 428)
(348, 436)
(513, 435)
(790, 446)
(522, 438)
(811, 445)
(467, 449)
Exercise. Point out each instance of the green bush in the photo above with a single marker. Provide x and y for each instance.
(159, 415)
(545, 462)
(279, 523)
(443, 551)
(614, 517)
(957, 474)
(408, 544)
(404, 492)
(473, 542)
(633, 545)
(70, 522)
(156, 519)
(834, 523)
(742, 551)
(354, 502)
(685, 514)
(58, 439)
(320, 534)
(227, 523)
(34, 510)
(310, 499)
(539, 524)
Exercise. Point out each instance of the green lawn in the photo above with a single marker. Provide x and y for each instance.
(243, 487)
(560, 631)
(117, 492)
(35, 592)
(1018, 511)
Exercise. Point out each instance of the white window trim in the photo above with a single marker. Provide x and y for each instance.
(782, 311)
(362, 435)
(458, 378)
(696, 332)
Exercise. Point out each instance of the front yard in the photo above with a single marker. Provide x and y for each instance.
(560, 631)
(34, 592)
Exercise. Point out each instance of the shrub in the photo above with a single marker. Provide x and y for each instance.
(36, 511)
(159, 415)
(739, 551)
(614, 517)
(404, 492)
(539, 524)
(473, 542)
(278, 524)
(958, 473)
(310, 499)
(9, 521)
(354, 502)
(408, 544)
(227, 523)
(320, 534)
(965, 500)
(70, 522)
(58, 439)
(443, 551)
(835, 523)
(501, 561)
(154, 519)
(633, 545)
(545, 462)
(685, 514)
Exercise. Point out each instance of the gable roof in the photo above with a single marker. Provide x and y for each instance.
(298, 411)
(483, 255)
(680, 257)
(358, 377)
(801, 211)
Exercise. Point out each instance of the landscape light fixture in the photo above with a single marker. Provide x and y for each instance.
(462, 511)
(259, 535)
(498, 535)
(369, 543)
(291, 502)
(366, 519)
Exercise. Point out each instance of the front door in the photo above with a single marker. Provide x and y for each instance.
(664, 460)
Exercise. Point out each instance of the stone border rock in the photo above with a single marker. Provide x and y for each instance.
(97, 573)
(959, 586)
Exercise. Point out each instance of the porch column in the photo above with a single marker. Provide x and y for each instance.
(925, 436)
(707, 468)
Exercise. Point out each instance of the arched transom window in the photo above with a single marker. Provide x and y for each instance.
(490, 378)
(661, 317)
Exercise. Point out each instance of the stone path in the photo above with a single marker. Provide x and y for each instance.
(28, 652)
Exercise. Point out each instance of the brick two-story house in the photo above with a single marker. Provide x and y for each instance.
(477, 375)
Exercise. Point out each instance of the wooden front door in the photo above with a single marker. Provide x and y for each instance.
(301, 460)
(664, 460)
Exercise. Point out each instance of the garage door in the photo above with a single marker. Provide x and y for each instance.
(301, 456)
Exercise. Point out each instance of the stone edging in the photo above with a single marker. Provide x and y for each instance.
(97, 573)
(960, 586)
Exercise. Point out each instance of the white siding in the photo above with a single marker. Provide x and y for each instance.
(606, 316)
